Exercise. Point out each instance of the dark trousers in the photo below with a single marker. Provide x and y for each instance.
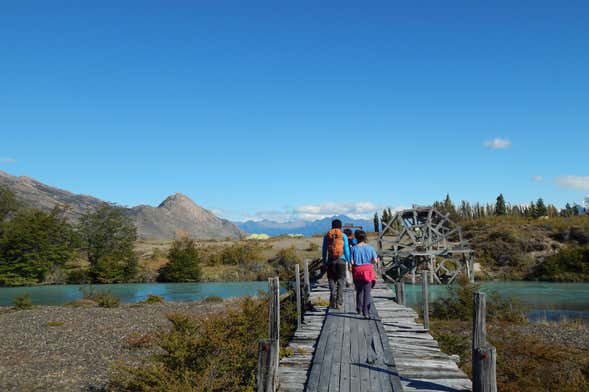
(363, 297)
(336, 275)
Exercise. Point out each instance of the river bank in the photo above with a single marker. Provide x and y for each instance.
(62, 348)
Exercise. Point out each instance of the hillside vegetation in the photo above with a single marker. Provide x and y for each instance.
(530, 242)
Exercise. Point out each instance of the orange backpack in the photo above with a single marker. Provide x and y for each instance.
(335, 243)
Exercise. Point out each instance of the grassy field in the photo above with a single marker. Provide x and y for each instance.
(225, 261)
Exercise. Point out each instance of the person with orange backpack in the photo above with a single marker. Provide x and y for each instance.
(336, 259)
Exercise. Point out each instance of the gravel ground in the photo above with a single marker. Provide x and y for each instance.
(571, 335)
(57, 348)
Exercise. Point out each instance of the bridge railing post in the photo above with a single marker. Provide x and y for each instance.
(269, 349)
(400, 292)
(298, 295)
(267, 365)
(484, 355)
(307, 284)
(425, 296)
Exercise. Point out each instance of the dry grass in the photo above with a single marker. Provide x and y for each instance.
(525, 362)
(153, 256)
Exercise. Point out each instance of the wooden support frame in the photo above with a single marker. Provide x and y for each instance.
(421, 235)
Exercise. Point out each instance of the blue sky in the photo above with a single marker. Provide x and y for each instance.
(302, 109)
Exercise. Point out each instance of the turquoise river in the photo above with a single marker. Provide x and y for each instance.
(542, 299)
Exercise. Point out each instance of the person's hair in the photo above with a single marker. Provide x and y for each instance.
(360, 236)
(336, 224)
(348, 232)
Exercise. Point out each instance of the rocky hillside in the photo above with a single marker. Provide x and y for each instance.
(177, 215)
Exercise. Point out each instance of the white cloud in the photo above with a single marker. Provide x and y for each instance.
(7, 160)
(309, 212)
(580, 183)
(498, 144)
(537, 178)
(357, 210)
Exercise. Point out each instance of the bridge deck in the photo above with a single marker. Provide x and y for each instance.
(352, 353)
(340, 351)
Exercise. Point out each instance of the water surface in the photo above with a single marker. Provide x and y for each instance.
(134, 292)
(543, 300)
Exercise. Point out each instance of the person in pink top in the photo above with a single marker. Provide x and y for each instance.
(363, 256)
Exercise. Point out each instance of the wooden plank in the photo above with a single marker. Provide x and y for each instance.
(345, 372)
(355, 381)
(336, 348)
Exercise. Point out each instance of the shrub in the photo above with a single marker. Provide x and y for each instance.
(23, 302)
(570, 263)
(82, 303)
(103, 298)
(458, 305)
(240, 254)
(216, 353)
(284, 261)
(213, 299)
(138, 340)
(184, 264)
(313, 247)
(78, 276)
(213, 353)
(153, 299)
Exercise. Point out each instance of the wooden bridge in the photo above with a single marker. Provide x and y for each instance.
(337, 350)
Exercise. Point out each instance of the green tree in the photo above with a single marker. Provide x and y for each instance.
(500, 208)
(184, 262)
(376, 223)
(8, 203)
(540, 209)
(33, 243)
(531, 210)
(108, 236)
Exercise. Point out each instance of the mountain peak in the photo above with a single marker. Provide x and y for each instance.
(177, 200)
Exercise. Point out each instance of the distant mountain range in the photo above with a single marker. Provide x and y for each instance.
(176, 215)
(307, 228)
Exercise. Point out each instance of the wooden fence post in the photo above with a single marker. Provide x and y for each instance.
(307, 282)
(484, 356)
(425, 295)
(274, 308)
(274, 314)
(484, 374)
(267, 365)
(479, 325)
(298, 294)
(400, 292)
(471, 265)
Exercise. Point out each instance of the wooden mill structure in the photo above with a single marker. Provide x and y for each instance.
(424, 238)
